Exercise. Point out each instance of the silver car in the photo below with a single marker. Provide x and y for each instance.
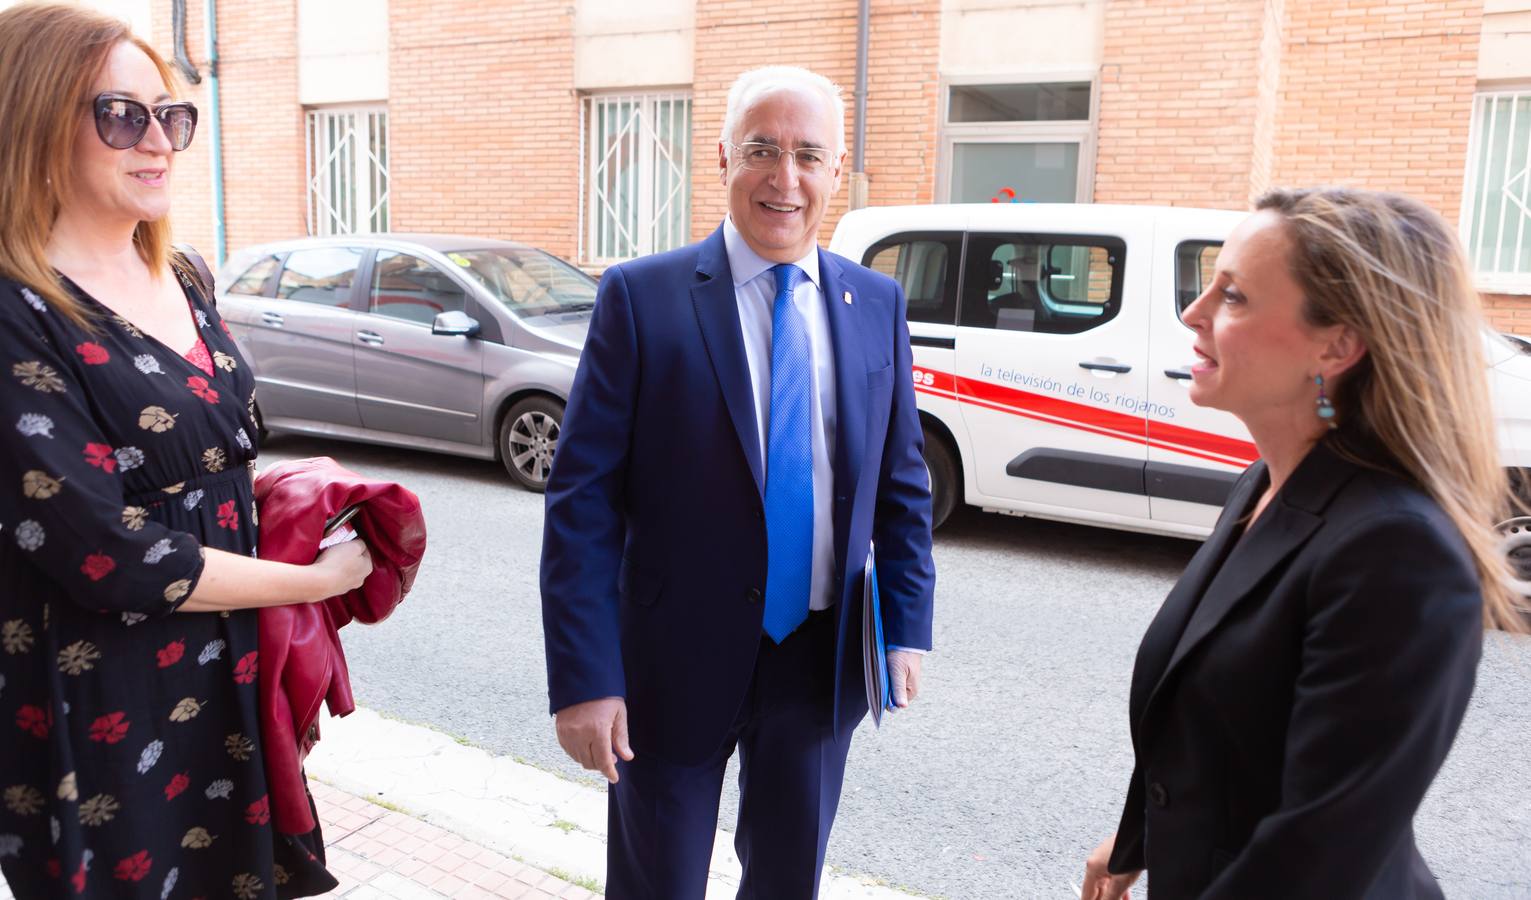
(455, 344)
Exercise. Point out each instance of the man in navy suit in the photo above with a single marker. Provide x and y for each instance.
(741, 430)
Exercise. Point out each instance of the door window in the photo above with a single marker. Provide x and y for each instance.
(322, 275)
(409, 288)
(923, 266)
(1041, 283)
(1195, 268)
(253, 281)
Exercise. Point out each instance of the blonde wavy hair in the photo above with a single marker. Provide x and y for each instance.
(1418, 403)
(50, 56)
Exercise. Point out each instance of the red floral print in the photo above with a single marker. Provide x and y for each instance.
(134, 867)
(100, 456)
(97, 566)
(246, 669)
(110, 728)
(200, 387)
(259, 812)
(78, 879)
(34, 720)
(94, 354)
(227, 517)
(171, 653)
(177, 785)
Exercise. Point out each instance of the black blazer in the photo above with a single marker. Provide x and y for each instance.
(1299, 689)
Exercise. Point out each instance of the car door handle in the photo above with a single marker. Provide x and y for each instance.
(370, 337)
(272, 319)
(1179, 374)
(1105, 367)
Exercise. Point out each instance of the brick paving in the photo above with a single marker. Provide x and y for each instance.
(378, 854)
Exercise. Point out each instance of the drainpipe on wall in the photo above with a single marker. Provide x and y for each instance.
(858, 189)
(215, 129)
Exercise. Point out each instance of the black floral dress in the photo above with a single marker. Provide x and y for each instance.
(130, 759)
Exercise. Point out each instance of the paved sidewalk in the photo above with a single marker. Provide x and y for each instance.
(377, 853)
(410, 813)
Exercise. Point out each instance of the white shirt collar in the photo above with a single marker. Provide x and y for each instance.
(746, 265)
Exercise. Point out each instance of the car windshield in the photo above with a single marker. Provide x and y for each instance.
(529, 282)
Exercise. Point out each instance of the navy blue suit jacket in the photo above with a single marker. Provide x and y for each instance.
(654, 545)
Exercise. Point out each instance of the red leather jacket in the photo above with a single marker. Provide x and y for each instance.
(301, 661)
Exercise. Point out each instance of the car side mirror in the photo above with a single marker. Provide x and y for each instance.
(456, 323)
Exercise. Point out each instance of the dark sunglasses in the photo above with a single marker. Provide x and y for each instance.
(121, 123)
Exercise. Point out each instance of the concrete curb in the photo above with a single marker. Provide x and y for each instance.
(506, 806)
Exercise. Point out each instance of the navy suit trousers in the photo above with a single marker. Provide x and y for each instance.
(662, 816)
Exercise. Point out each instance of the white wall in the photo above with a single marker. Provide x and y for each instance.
(1505, 51)
(342, 51)
(633, 43)
(1021, 37)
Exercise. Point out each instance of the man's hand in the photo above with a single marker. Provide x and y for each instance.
(594, 734)
(904, 673)
(1099, 884)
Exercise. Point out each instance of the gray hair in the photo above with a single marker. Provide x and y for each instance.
(755, 85)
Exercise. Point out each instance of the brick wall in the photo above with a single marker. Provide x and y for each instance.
(1179, 91)
(902, 89)
(1510, 313)
(484, 120)
(1379, 94)
(191, 213)
(262, 125)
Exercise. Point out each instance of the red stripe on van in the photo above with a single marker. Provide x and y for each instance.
(1108, 423)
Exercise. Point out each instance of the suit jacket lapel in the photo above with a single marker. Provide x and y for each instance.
(1169, 624)
(1287, 523)
(717, 314)
(845, 328)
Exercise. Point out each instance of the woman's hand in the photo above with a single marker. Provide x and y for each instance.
(1100, 884)
(345, 566)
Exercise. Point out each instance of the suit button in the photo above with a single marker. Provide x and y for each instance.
(759, 513)
(752, 595)
(1157, 795)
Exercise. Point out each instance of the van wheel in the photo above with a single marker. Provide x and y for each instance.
(528, 439)
(945, 477)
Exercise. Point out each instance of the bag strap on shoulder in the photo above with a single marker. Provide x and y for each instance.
(199, 264)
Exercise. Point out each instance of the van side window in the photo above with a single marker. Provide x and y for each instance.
(924, 266)
(1195, 268)
(1051, 284)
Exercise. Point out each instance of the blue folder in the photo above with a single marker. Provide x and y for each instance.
(874, 648)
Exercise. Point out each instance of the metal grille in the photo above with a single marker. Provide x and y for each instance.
(1495, 203)
(347, 171)
(636, 181)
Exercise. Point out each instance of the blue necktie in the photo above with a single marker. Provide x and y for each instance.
(789, 464)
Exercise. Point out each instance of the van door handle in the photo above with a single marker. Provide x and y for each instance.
(1179, 374)
(1105, 367)
(272, 319)
(371, 338)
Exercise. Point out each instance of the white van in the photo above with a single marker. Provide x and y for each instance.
(1051, 364)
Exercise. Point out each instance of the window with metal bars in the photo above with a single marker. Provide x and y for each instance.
(347, 153)
(636, 175)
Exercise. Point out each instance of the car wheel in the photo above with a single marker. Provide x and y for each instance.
(945, 477)
(528, 439)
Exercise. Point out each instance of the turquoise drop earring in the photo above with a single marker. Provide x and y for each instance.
(1325, 408)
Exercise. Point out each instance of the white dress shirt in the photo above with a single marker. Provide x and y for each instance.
(755, 291)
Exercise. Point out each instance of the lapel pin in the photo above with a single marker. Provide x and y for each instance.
(847, 298)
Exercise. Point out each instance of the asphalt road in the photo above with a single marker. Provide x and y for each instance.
(1011, 766)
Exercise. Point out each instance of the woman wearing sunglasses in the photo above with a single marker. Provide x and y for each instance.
(130, 750)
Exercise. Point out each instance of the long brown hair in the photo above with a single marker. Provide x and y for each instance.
(50, 56)
(1418, 403)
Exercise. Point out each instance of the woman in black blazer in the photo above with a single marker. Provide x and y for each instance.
(1303, 682)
